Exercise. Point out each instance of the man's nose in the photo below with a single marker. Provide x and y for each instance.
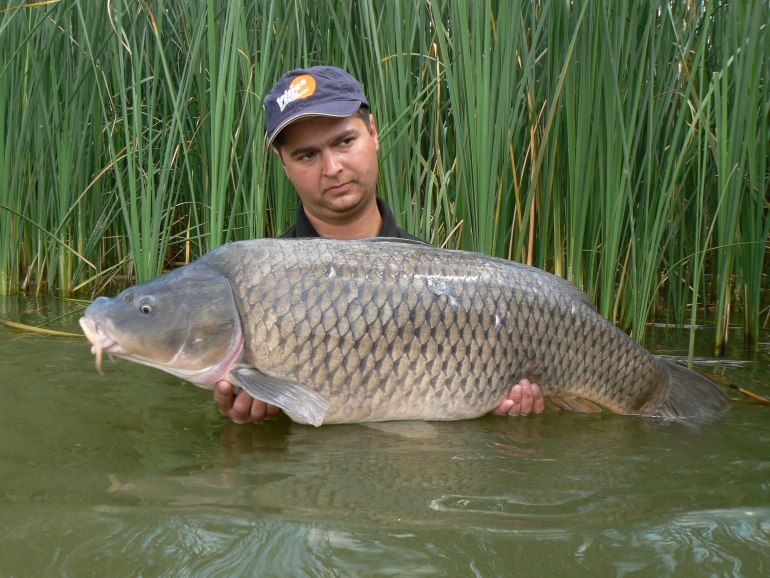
(331, 163)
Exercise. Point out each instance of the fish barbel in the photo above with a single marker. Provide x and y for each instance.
(375, 330)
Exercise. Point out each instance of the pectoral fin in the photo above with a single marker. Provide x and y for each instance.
(291, 396)
(577, 404)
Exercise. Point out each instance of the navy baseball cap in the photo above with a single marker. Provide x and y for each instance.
(317, 91)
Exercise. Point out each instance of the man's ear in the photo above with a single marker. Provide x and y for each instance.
(280, 156)
(375, 135)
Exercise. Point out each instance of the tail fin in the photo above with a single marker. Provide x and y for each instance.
(692, 397)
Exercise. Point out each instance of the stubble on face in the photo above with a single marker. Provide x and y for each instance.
(332, 163)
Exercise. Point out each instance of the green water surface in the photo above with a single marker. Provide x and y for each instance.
(136, 474)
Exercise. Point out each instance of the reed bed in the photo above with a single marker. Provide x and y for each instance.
(623, 146)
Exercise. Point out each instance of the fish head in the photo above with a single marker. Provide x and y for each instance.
(184, 322)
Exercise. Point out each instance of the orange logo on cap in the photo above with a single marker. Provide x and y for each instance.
(301, 87)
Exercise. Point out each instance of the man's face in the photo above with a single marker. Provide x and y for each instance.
(332, 162)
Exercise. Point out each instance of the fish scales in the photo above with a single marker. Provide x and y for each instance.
(348, 331)
(415, 334)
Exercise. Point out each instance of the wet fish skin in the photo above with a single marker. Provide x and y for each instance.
(383, 330)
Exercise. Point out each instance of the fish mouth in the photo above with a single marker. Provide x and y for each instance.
(100, 342)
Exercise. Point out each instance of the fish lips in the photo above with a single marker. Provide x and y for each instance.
(101, 342)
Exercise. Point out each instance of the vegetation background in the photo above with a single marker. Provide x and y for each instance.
(622, 145)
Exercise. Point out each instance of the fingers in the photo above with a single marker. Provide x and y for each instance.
(538, 399)
(242, 408)
(272, 411)
(504, 407)
(523, 399)
(223, 396)
(515, 396)
(526, 398)
(241, 412)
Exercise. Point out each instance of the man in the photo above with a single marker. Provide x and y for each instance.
(319, 124)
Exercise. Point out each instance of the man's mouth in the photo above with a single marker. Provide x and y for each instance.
(341, 188)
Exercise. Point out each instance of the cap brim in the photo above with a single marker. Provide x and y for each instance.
(337, 109)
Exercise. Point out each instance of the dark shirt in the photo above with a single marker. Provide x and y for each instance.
(302, 229)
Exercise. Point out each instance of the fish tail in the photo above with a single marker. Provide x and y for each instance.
(692, 397)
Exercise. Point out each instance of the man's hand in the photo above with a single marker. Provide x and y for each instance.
(524, 398)
(242, 408)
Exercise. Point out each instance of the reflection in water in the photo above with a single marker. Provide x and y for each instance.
(487, 473)
(135, 474)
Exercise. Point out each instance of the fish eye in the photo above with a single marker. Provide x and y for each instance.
(128, 297)
(146, 304)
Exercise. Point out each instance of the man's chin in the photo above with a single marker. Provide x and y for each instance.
(345, 203)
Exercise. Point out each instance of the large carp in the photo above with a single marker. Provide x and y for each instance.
(375, 330)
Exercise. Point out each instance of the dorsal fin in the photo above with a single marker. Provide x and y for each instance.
(416, 243)
(578, 294)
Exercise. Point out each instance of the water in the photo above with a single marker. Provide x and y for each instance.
(136, 474)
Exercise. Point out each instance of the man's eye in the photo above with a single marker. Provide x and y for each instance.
(307, 157)
(346, 141)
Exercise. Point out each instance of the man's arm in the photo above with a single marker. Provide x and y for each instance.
(523, 399)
